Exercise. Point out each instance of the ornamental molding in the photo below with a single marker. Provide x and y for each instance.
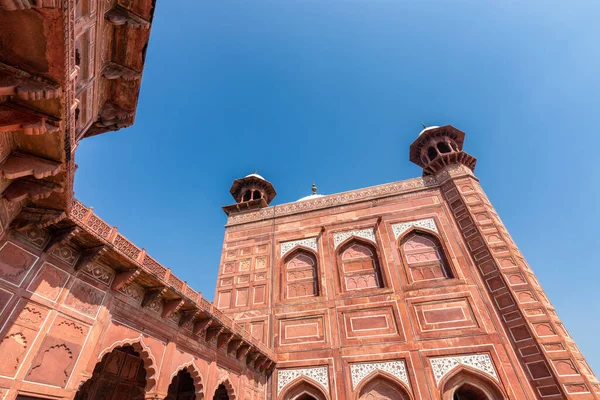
(339, 238)
(286, 247)
(370, 193)
(443, 365)
(395, 368)
(427, 223)
(317, 374)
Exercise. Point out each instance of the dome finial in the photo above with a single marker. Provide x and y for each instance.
(314, 188)
(424, 126)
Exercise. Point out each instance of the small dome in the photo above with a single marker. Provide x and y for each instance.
(311, 197)
(256, 176)
(428, 128)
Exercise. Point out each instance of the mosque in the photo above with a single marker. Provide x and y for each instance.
(406, 290)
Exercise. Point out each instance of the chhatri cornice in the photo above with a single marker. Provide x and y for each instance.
(350, 197)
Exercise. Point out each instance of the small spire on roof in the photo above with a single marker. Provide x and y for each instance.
(314, 188)
(424, 127)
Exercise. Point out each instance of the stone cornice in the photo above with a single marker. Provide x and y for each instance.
(350, 197)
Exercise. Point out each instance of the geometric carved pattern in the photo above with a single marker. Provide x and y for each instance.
(482, 362)
(428, 223)
(340, 237)
(394, 368)
(318, 374)
(286, 247)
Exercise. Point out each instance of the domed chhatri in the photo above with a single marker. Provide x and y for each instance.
(439, 146)
(250, 192)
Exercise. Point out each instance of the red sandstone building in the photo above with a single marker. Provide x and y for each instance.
(409, 290)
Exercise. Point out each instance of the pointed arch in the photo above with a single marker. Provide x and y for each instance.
(380, 385)
(359, 265)
(424, 256)
(472, 383)
(145, 353)
(225, 384)
(303, 388)
(192, 369)
(300, 274)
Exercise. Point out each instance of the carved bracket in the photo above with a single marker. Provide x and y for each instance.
(125, 278)
(90, 255)
(18, 118)
(186, 316)
(234, 345)
(34, 217)
(152, 294)
(117, 71)
(212, 333)
(14, 82)
(121, 16)
(18, 165)
(61, 236)
(171, 306)
(24, 188)
(201, 325)
(223, 339)
(242, 351)
(112, 117)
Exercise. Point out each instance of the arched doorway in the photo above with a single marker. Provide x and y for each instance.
(467, 384)
(182, 387)
(382, 388)
(120, 375)
(221, 393)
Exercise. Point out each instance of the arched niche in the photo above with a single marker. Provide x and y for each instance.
(358, 266)
(465, 383)
(224, 391)
(186, 384)
(303, 389)
(382, 386)
(300, 274)
(424, 256)
(120, 371)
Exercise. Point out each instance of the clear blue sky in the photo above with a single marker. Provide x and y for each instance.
(335, 92)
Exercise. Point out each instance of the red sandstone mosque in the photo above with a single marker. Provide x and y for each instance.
(409, 290)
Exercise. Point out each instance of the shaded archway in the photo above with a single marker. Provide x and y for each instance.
(464, 383)
(183, 386)
(224, 391)
(302, 389)
(120, 375)
(382, 386)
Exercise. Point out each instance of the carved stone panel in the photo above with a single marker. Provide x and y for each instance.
(84, 298)
(15, 263)
(482, 362)
(317, 374)
(360, 371)
(49, 282)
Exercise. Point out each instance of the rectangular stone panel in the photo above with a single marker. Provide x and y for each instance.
(309, 329)
(84, 298)
(259, 294)
(48, 282)
(445, 317)
(224, 299)
(241, 297)
(377, 323)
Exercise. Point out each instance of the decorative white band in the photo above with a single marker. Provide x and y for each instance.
(395, 368)
(428, 223)
(442, 365)
(318, 374)
(286, 247)
(339, 238)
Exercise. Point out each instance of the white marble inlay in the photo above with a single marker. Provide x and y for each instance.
(318, 374)
(442, 365)
(286, 247)
(339, 238)
(427, 223)
(394, 368)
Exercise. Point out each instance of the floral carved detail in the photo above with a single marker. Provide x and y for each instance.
(71, 329)
(155, 306)
(37, 237)
(442, 365)
(84, 298)
(66, 254)
(339, 238)
(31, 315)
(78, 210)
(427, 223)
(318, 374)
(99, 272)
(286, 247)
(394, 368)
(133, 291)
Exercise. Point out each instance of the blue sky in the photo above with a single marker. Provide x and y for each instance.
(335, 92)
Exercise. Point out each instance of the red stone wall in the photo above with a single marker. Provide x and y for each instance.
(56, 324)
(433, 310)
